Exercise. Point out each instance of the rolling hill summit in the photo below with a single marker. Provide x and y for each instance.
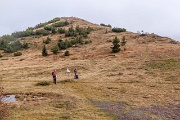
(102, 73)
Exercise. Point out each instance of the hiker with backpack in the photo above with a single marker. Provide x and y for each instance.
(54, 76)
(75, 74)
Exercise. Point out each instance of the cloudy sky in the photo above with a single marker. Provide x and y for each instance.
(153, 16)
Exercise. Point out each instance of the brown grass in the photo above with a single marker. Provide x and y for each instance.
(123, 77)
(3, 107)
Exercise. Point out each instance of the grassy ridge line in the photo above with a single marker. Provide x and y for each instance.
(105, 77)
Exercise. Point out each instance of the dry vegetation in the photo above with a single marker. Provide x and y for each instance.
(138, 83)
(3, 107)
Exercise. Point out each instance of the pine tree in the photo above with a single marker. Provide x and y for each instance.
(55, 50)
(123, 43)
(44, 51)
(116, 46)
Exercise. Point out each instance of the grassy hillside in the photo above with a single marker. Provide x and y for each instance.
(140, 82)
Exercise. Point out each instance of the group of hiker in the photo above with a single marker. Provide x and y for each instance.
(54, 75)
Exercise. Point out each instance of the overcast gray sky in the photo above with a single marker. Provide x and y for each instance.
(161, 17)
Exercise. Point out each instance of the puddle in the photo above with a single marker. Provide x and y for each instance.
(9, 98)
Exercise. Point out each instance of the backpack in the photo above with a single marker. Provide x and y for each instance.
(76, 77)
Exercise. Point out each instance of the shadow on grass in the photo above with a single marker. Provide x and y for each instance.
(66, 81)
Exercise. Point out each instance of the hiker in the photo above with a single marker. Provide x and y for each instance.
(75, 74)
(54, 76)
(68, 71)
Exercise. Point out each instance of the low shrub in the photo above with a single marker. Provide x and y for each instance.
(109, 41)
(60, 24)
(42, 32)
(48, 28)
(43, 83)
(102, 24)
(17, 54)
(143, 34)
(64, 44)
(55, 50)
(88, 41)
(25, 45)
(54, 20)
(44, 51)
(14, 46)
(54, 31)
(47, 41)
(66, 53)
(173, 42)
(61, 30)
(118, 30)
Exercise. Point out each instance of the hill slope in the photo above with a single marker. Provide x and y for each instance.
(141, 82)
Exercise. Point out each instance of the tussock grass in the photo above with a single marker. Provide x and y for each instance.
(3, 107)
(43, 83)
(169, 64)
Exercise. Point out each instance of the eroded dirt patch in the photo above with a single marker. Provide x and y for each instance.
(122, 111)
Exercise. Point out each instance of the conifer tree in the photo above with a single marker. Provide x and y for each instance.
(44, 51)
(116, 46)
(123, 43)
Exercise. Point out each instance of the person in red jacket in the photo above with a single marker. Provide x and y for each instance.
(54, 76)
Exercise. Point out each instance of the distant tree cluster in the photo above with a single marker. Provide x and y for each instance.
(54, 20)
(61, 30)
(41, 25)
(15, 46)
(5, 40)
(25, 33)
(46, 30)
(71, 32)
(10, 45)
(118, 30)
(102, 24)
(60, 24)
(64, 44)
(46, 23)
(78, 34)
(42, 32)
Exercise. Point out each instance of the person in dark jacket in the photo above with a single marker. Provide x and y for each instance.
(54, 76)
(75, 74)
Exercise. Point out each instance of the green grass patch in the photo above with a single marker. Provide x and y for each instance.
(43, 83)
(171, 78)
(170, 64)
